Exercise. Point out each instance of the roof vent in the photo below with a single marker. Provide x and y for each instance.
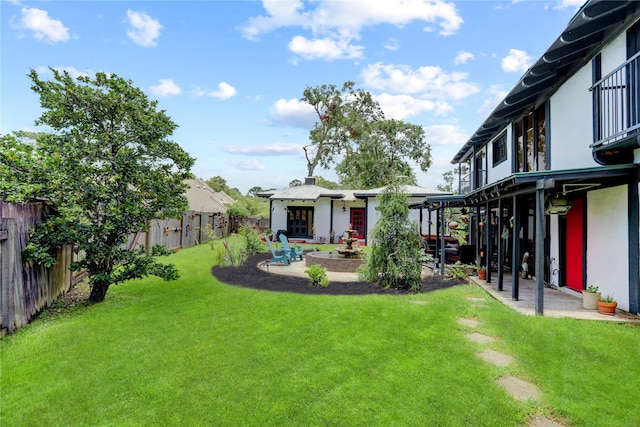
(310, 180)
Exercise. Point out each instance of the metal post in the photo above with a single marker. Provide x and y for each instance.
(489, 241)
(539, 268)
(442, 244)
(515, 257)
(499, 286)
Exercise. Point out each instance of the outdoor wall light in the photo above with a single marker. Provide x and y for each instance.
(556, 206)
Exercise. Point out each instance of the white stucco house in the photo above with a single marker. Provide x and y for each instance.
(554, 168)
(309, 213)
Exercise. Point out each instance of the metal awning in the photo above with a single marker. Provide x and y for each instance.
(597, 22)
(560, 182)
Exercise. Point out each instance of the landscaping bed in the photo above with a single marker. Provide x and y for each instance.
(249, 275)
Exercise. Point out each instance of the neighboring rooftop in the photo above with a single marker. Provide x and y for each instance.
(202, 198)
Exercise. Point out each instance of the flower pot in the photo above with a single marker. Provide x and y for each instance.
(482, 274)
(590, 300)
(608, 308)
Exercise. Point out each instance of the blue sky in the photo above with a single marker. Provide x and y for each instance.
(231, 73)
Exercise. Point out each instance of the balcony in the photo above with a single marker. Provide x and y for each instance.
(465, 185)
(616, 105)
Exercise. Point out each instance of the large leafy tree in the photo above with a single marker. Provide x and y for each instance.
(343, 115)
(383, 153)
(353, 133)
(107, 166)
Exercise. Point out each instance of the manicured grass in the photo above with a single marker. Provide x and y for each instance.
(199, 352)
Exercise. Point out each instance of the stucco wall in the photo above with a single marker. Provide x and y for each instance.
(571, 123)
(608, 243)
(503, 169)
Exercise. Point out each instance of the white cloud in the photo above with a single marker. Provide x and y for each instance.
(445, 135)
(568, 4)
(325, 48)
(428, 81)
(225, 91)
(341, 21)
(248, 165)
(276, 149)
(462, 57)
(165, 88)
(43, 27)
(497, 94)
(144, 30)
(516, 61)
(293, 112)
(400, 107)
(392, 44)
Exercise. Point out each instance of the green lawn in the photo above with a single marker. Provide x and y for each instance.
(199, 352)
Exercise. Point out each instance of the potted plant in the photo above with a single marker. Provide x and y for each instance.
(590, 297)
(607, 305)
(482, 271)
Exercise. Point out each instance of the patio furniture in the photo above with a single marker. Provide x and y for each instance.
(279, 255)
(294, 251)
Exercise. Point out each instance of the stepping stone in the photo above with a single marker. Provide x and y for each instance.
(468, 322)
(519, 389)
(475, 299)
(495, 357)
(419, 302)
(480, 338)
(540, 421)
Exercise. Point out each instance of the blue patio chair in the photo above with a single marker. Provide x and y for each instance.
(294, 252)
(279, 255)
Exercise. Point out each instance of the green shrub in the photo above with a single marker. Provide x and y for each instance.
(317, 275)
(396, 254)
(251, 240)
(229, 255)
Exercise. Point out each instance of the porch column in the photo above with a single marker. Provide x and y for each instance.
(515, 258)
(540, 187)
(442, 244)
(499, 286)
(488, 255)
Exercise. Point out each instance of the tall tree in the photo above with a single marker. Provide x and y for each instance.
(217, 183)
(383, 153)
(351, 126)
(110, 167)
(342, 116)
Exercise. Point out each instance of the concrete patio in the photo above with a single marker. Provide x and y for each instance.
(557, 302)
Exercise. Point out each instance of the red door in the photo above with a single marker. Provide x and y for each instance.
(574, 252)
(357, 221)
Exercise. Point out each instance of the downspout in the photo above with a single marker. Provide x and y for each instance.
(540, 232)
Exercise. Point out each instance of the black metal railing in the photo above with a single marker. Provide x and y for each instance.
(616, 103)
(465, 185)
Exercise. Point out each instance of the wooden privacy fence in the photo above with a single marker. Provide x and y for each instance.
(25, 287)
(188, 231)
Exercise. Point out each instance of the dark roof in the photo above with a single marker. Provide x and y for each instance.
(596, 23)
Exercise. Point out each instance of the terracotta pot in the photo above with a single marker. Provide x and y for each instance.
(608, 308)
(482, 274)
(590, 300)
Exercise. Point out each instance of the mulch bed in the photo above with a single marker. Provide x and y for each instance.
(250, 275)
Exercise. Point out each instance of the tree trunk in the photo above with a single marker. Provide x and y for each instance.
(98, 292)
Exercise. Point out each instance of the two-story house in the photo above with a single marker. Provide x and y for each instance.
(553, 170)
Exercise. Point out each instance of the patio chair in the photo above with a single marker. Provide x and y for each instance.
(293, 251)
(279, 255)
